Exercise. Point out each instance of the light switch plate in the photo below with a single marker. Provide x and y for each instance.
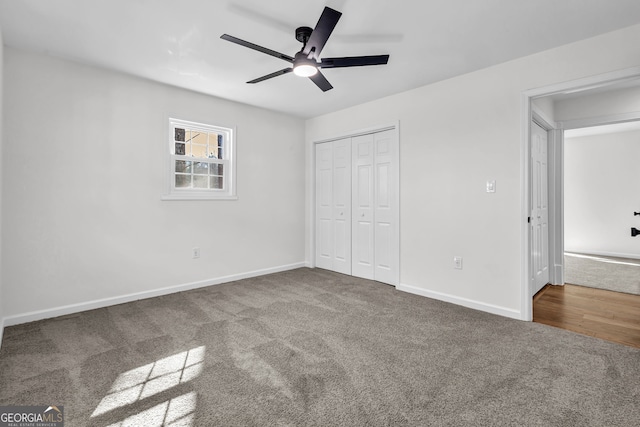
(491, 186)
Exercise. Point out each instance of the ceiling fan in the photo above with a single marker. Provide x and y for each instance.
(307, 62)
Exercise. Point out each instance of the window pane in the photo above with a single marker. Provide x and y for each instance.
(216, 169)
(183, 166)
(201, 168)
(198, 137)
(180, 148)
(183, 181)
(213, 145)
(179, 134)
(200, 181)
(199, 151)
(215, 182)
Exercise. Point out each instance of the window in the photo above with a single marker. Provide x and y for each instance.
(201, 161)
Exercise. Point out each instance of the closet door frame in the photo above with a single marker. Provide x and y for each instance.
(311, 248)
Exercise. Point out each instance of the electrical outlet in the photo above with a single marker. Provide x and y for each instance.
(457, 262)
(196, 253)
(491, 186)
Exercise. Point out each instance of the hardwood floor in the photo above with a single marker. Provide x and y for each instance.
(608, 315)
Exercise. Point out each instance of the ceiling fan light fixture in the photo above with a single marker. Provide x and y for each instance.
(304, 66)
(305, 70)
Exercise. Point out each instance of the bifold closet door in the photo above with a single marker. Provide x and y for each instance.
(386, 207)
(362, 242)
(333, 205)
(375, 207)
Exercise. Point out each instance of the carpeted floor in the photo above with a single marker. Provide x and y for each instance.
(602, 272)
(314, 348)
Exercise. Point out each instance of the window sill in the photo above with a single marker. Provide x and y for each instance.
(170, 197)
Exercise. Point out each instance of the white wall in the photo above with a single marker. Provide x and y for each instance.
(84, 172)
(1, 148)
(454, 136)
(602, 190)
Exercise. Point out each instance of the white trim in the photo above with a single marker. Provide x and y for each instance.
(2, 324)
(556, 179)
(604, 253)
(196, 196)
(526, 302)
(465, 302)
(311, 190)
(106, 302)
(542, 119)
(359, 132)
(586, 83)
(601, 120)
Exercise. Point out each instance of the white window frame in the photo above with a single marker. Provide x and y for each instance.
(228, 192)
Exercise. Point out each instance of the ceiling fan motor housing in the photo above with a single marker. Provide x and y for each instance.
(303, 34)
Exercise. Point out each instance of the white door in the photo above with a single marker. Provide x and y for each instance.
(386, 216)
(375, 244)
(333, 205)
(342, 206)
(362, 243)
(324, 206)
(539, 208)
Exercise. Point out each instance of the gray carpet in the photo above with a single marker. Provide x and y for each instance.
(315, 348)
(602, 272)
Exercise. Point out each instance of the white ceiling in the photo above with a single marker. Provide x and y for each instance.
(178, 42)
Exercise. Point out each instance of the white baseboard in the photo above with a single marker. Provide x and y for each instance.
(603, 253)
(476, 305)
(105, 302)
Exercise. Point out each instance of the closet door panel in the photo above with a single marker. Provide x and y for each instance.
(342, 205)
(324, 206)
(385, 208)
(363, 206)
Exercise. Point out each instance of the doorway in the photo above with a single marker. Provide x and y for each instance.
(602, 193)
(540, 102)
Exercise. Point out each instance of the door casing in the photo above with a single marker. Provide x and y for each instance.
(556, 196)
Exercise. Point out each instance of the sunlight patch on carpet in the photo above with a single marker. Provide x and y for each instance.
(177, 412)
(151, 379)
